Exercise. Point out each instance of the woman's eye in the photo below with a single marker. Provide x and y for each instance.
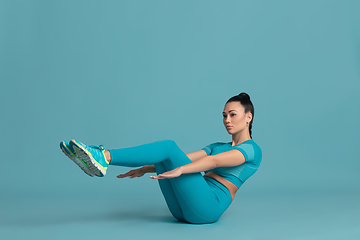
(233, 114)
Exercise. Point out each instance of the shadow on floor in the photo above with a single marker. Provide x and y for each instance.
(39, 217)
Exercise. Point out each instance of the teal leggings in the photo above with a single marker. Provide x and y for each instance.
(190, 197)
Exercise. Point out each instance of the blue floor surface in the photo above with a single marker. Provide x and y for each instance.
(65, 214)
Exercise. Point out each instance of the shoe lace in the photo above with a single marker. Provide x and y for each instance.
(100, 147)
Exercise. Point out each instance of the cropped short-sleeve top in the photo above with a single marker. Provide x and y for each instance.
(238, 174)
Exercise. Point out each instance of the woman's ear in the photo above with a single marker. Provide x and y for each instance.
(248, 117)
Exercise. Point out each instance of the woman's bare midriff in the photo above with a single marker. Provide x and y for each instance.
(229, 185)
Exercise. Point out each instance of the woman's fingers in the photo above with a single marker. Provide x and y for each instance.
(161, 176)
(169, 174)
(132, 174)
(125, 175)
(156, 177)
(140, 172)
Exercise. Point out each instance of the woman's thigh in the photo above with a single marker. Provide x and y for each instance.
(199, 199)
(196, 197)
(169, 194)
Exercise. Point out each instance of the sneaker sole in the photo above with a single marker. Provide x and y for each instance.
(76, 160)
(86, 156)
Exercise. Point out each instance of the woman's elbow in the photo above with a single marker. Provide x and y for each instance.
(214, 162)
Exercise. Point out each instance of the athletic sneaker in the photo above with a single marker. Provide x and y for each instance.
(93, 156)
(69, 151)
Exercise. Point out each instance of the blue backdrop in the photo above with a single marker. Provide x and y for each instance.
(123, 73)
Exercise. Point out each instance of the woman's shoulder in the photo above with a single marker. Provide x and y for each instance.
(249, 142)
(254, 144)
(220, 143)
(211, 147)
(251, 150)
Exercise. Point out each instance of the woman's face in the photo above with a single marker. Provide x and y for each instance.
(234, 116)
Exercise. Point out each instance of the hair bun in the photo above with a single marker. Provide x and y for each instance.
(243, 94)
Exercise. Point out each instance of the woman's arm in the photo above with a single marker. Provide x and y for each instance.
(225, 159)
(201, 165)
(149, 168)
(193, 156)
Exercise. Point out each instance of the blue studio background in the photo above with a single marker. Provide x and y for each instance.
(124, 73)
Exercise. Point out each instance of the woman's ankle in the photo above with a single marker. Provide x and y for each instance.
(108, 156)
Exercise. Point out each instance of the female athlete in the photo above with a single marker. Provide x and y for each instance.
(190, 196)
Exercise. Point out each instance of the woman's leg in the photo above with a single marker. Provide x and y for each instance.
(169, 194)
(196, 198)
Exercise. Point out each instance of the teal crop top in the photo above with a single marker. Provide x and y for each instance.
(238, 174)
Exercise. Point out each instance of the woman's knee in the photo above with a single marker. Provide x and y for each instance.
(169, 141)
(170, 144)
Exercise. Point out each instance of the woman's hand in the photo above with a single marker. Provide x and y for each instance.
(133, 173)
(170, 174)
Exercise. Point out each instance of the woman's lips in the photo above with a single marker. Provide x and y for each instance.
(228, 127)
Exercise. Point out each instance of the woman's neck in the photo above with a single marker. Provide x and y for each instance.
(239, 138)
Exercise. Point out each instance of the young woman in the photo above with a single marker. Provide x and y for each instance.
(191, 197)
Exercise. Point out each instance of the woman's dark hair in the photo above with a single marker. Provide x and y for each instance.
(245, 101)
